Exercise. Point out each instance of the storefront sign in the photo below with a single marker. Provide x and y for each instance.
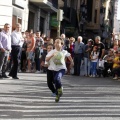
(53, 21)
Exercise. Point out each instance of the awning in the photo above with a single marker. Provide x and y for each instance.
(45, 4)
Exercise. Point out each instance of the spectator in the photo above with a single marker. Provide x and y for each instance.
(30, 50)
(116, 65)
(78, 55)
(46, 42)
(66, 42)
(71, 50)
(51, 41)
(71, 46)
(17, 42)
(94, 59)
(38, 46)
(43, 36)
(119, 45)
(23, 53)
(115, 45)
(87, 52)
(108, 62)
(100, 46)
(5, 49)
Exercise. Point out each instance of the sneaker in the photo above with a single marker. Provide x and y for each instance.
(90, 76)
(28, 71)
(5, 76)
(60, 93)
(15, 77)
(19, 71)
(53, 95)
(93, 76)
(115, 78)
(41, 71)
(33, 71)
(37, 72)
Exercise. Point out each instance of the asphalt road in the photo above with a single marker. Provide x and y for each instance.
(84, 98)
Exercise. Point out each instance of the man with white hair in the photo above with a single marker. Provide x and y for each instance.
(78, 55)
(100, 46)
(101, 49)
(17, 42)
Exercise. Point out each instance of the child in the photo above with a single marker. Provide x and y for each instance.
(116, 65)
(71, 50)
(44, 54)
(38, 45)
(94, 59)
(115, 45)
(87, 52)
(108, 65)
(56, 59)
(50, 78)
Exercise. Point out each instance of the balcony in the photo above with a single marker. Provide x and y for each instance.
(19, 3)
(48, 5)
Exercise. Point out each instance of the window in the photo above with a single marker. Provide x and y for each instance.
(15, 20)
(95, 18)
(89, 8)
(68, 3)
(42, 23)
(31, 20)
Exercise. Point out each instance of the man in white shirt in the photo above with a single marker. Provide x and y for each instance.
(17, 42)
(5, 48)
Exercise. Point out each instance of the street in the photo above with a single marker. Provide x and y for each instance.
(83, 98)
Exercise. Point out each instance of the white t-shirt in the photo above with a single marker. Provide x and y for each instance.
(57, 62)
(94, 55)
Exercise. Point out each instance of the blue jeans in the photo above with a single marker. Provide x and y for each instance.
(86, 66)
(57, 78)
(93, 68)
(3, 62)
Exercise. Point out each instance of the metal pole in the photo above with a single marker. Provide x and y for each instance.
(58, 29)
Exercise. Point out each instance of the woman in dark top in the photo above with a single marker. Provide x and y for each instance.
(23, 56)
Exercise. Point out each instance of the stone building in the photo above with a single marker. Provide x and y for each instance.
(14, 11)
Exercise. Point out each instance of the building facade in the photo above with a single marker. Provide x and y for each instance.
(14, 11)
(20, 13)
(81, 17)
(6, 12)
(116, 22)
(117, 27)
(40, 12)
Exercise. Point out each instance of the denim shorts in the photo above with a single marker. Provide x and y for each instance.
(29, 55)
